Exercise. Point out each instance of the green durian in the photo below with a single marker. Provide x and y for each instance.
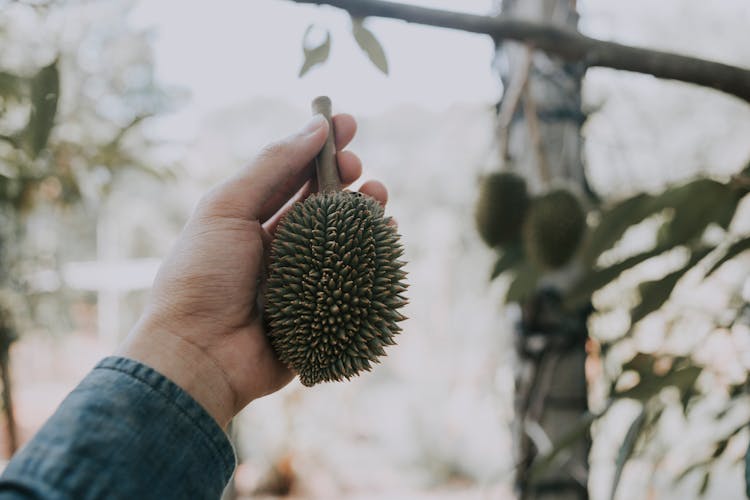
(554, 228)
(501, 207)
(335, 282)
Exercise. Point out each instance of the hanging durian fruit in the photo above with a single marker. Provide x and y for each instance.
(501, 208)
(335, 282)
(554, 228)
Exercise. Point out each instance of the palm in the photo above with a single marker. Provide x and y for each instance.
(221, 301)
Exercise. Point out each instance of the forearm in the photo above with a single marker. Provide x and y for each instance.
(125, 432)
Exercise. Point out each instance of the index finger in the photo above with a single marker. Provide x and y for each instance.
(247, 193)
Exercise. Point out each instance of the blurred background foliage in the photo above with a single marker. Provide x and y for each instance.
(72, 103)
(685, 235)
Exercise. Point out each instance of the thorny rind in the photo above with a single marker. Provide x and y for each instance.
(335, 286)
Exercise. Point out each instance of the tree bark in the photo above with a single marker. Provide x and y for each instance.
(565, 43)
(540, 137)
(11, 432)
(7, 336)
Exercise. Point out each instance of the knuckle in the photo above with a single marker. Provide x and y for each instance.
(219, 202)
(214, 203)
(208, 200)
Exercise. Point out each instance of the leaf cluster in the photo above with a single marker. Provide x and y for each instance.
(682, 215)
(316, 54)
(62, 146)
(687, 210)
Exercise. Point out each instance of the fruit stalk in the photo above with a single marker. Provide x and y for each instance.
(326, 168)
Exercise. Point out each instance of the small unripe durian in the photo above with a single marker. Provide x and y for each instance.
(501, 207)
(554, 228)
(335, 282)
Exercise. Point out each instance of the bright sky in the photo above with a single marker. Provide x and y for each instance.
(232, 51)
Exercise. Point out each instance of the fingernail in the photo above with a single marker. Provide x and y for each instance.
(313, 125)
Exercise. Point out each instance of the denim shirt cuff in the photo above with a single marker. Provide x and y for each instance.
(182, 402)
(126, 431)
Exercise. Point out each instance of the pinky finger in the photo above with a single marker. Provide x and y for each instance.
(375, 189)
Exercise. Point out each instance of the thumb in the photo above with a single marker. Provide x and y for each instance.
(277, 172)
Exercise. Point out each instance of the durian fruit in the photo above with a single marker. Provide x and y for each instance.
(501, 207)
(554, 228)
(335, 282)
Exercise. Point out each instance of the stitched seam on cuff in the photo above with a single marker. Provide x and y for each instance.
(114, 364)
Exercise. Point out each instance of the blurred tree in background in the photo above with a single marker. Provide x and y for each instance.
(75, 85)
(562, 247)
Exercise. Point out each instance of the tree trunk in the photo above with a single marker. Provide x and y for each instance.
(7, 337)
(539, 127)
(10, 420)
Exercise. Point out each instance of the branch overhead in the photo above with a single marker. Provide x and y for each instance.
(567, 44)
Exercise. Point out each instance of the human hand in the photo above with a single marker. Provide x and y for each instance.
(202, 327)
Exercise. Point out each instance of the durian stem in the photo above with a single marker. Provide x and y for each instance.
(326, 168)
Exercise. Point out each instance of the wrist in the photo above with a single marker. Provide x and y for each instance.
(185, 364)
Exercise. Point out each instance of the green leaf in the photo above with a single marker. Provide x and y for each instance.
(626, 449)
(523, 284)
(655, 293)
(641, 363)
(11, 86)
(696, 205)
(686, 398)
(615, 221)
(650, 385)
(592, 281)
(704, 484)
(369, 44)
(684, 378)
(314, 55)
(45, 93)
(721, 446)
(692, 468)
(512, 255)
(734, 250)
(706, 463)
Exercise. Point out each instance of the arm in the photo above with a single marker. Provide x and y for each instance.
(125, 432)
(150, 423)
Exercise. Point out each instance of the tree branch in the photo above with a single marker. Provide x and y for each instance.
(566, 44)
(511, 97)
(535, 135)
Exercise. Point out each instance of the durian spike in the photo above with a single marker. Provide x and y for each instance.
(326, 168)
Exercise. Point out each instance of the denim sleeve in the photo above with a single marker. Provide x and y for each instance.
(128, 432)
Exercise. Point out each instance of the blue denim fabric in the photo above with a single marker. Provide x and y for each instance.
(128, 432)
